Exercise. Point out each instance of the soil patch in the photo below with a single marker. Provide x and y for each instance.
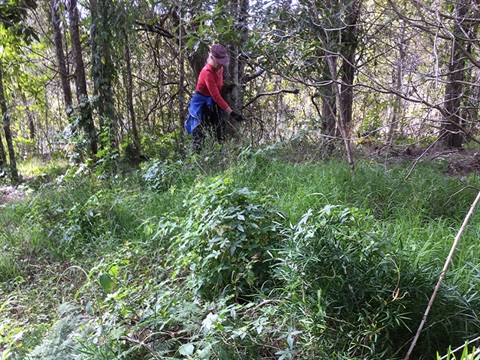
(10, 193)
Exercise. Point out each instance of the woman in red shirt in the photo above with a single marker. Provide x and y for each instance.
(205, 104)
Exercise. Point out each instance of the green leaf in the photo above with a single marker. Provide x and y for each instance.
(106, 282)
(186, 349)
(89, 308)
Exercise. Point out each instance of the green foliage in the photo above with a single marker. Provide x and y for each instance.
(12, 17)
(177, 262)
(167, 175)
(60, 342)
(225, 239)
(466, 354)
(9, 268)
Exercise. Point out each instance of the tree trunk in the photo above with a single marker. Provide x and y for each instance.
(8, 133)
(341, 124)
(80, 79)
(329, 109)
(129, 85)
(181, 79)
(233, 91)
(342, 91)
(450, 134)
(30, 122)
(61, 60)
(103, 69)
(3, 155)
(348, 50)
(397, 78)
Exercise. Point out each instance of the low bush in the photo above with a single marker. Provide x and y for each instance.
(224, 240)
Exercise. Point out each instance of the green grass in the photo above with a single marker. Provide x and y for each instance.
(352, 260)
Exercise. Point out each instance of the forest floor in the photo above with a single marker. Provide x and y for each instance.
(11, 193)
(460, 162)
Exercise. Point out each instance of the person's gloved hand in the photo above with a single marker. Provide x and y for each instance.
(236, 116)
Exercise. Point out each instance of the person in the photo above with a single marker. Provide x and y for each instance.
(204, 107)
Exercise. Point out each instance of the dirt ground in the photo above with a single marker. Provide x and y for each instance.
(459, 162)
(10, 193)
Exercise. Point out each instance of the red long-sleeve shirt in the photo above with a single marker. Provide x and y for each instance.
(210, 84)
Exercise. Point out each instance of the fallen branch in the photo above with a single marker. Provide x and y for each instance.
(442, 275)
(294, 91)
(140, 342)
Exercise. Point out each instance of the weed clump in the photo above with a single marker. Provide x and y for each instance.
(224, 240)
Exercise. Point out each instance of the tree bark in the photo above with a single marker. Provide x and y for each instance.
(450, 135)
(80, 79)
(3, 155)
(397, 79)
(181, 79)
(61, 60)
(329, 108)
(233, 91)
(103, 70)
(348, 50)
(8, 133)
(342, 85)
(129, 85)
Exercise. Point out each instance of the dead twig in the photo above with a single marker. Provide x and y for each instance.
(418, 159)
(442, 275)
(294, 91)
(140, 342)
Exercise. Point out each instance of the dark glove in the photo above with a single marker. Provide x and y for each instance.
(236, 116)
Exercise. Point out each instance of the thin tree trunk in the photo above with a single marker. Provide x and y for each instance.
(3, 155)
(348, 50)
(450, 135)
(234, 77)
(103, 69)
(331, 60)
(62, 67)
(181, 79)
(80, 79)
(398, 81)
(30, 122)
(131, 109)
(8, 133)
(341, 100)
(329, 109)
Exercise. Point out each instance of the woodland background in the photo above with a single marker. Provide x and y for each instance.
(96, 79)
(317, 230)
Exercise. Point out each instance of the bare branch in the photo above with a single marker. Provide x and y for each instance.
(294, 91)
(442, 274)
(156, 29)
(140, 342)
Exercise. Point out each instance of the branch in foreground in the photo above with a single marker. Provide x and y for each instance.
(442, 275)
(294, 91)
(140, 342)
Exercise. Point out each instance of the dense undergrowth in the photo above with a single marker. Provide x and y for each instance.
(238, 256)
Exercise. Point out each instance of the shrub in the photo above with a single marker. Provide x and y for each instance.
(163, 175)
(355, 290)
(225, 239)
